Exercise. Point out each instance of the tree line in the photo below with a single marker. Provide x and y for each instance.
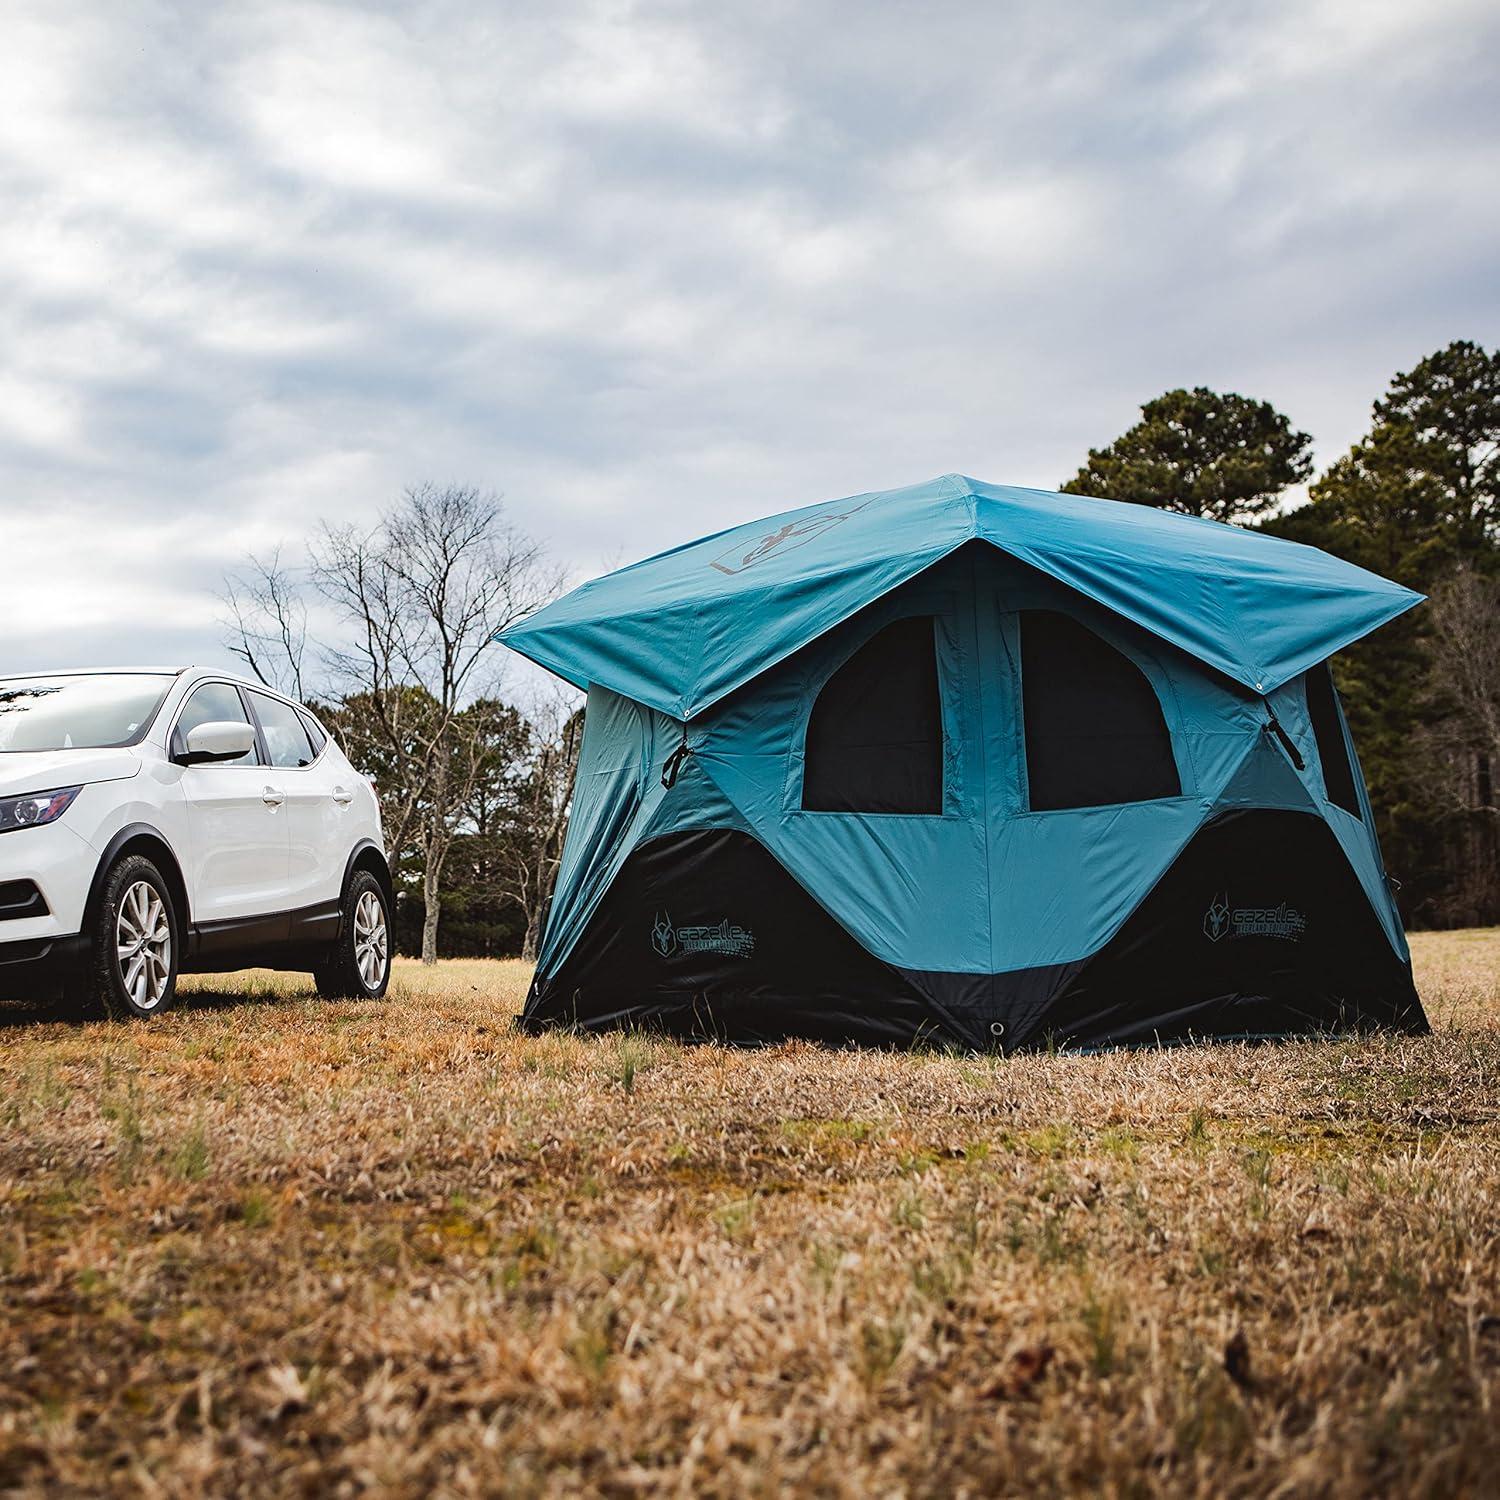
(388, 633)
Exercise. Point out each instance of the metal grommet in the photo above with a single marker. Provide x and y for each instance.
(997, 1028)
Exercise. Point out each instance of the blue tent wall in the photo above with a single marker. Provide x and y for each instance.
(988, 886)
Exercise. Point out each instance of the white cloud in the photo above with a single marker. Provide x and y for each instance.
(38, 413)
(342, 96)
(624, 63)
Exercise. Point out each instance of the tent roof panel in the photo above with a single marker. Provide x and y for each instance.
(685, 628)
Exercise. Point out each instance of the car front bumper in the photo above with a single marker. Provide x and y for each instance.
(36, 968)
(60, 863)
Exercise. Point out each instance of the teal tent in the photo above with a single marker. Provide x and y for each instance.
(971, 763)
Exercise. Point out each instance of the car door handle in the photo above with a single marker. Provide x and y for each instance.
(342, 795)
(271, 797)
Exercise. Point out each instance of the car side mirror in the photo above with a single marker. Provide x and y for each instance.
(220, 739)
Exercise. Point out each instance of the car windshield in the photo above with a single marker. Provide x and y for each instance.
(93, 712)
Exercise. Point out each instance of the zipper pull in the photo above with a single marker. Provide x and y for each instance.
(673, 766)
(1273, 727)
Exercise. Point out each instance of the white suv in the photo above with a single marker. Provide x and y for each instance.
(162, 822)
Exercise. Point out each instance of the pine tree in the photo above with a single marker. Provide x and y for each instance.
(1225, 457)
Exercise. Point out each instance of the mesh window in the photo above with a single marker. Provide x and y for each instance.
(1333, 748)
(875, 736)
(1095, 734)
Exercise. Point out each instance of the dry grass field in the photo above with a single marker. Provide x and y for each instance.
(273, 1246)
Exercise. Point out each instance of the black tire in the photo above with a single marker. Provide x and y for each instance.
(346, 974)
(134, 946)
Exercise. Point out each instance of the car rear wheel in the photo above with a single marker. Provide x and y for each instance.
(358, 966)
(132, 969)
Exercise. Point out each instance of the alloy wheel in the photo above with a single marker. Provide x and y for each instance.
(143, 943)
(370, 941)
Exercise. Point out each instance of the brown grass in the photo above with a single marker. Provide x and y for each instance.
(271, 1245)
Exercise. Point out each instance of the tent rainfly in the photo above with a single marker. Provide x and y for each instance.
(975, 765)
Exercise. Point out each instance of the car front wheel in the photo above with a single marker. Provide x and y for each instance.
(358, 966)
(132, 971)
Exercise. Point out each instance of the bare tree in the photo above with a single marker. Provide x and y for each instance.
(1465, 624)
(555, 729)
(418, 600)
(267, 623)
(1461, 736)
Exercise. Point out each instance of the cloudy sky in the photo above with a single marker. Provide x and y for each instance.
(651, 269)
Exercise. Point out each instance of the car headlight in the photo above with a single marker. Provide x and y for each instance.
(35, 808)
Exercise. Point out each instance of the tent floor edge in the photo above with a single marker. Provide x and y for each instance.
(745, 1021)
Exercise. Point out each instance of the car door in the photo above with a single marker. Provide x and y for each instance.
(237, 843)
(317, 804)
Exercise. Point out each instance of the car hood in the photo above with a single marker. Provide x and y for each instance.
(42, 770)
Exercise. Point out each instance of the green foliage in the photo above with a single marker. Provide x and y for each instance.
(1201, 453)
(190, 1159)
(1418, 499)
(1102, 1319)
(1450, 404)
(1381, 506)
(491, 749)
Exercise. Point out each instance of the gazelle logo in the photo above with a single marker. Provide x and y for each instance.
(664, 936)
(1283, 922)
(794, 534)
(723, 937)
(1216, 919)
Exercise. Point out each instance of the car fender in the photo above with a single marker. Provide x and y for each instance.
(369, 855)
(144, 834)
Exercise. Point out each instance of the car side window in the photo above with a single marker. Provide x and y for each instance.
(285, 736)
(314, 732)
(213, 703)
